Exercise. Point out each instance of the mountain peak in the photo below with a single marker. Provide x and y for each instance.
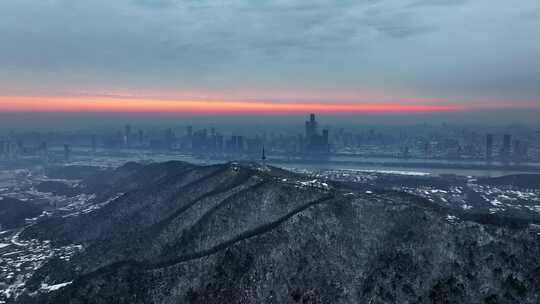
(233, 233)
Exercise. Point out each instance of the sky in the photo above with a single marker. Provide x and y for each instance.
(271, 57)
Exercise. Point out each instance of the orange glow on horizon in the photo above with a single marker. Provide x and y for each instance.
(149, 105)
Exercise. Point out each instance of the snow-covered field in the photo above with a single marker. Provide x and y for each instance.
(21, 258)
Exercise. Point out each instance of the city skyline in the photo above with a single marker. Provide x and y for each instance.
(503, 145)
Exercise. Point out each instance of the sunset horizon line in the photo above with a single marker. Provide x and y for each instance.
(215, 106)
(104, 104)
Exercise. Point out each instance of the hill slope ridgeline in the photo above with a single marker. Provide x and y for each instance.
(242, 234)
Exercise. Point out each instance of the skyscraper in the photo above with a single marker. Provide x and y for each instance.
(489, 147)
(315, 142)
(66, 153)
(127, 135)
(240, 144)
(169, 138)
(506, 148)
(325, 136)
(519, 152)
(311, 127)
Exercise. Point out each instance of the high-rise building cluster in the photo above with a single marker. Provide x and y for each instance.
(510, 150)
(8, 149)
(316, 142)
(305, 139)
(13, 147)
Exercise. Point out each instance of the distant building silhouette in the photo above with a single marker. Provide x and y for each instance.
(236, 144)
(311, 126)
(169, 138)
(66, 153)
(489, 147)
(506, 147)
(520, 151)
(315, 142)
(127, 135)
